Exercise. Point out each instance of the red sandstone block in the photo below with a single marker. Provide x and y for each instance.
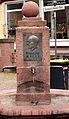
(25, 112)
(7, 48)
(35, 112)
(45, 52)
(26, 86)
(10, 112)
(30, 98)
(31, 23)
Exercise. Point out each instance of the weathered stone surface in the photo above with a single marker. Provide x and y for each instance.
(42, 110)
(33, 87)
(32, 21)
(7, 56)
(57, 110)
(30, 9)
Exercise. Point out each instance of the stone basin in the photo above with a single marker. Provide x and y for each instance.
(57, 97)
(59, 105)
(9, 110)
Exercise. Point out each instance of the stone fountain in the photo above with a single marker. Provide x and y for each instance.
(34, 99)
(33, 58)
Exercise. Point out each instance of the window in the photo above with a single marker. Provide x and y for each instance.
(14, 14)
(14, 6)
(62, 23)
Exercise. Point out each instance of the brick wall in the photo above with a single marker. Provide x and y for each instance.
(6, 53)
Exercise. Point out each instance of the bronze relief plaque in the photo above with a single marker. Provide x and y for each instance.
(32, 47)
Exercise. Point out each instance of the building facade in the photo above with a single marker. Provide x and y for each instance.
(62, 26)
(2, 20)
(11, 14)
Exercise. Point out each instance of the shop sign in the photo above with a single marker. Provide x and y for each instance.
(53, 8)
(59, 2)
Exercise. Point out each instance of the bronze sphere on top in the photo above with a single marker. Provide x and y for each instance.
(30, 9)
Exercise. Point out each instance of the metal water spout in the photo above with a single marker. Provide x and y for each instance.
(33, 70)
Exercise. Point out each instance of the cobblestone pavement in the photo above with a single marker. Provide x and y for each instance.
(7, 81)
